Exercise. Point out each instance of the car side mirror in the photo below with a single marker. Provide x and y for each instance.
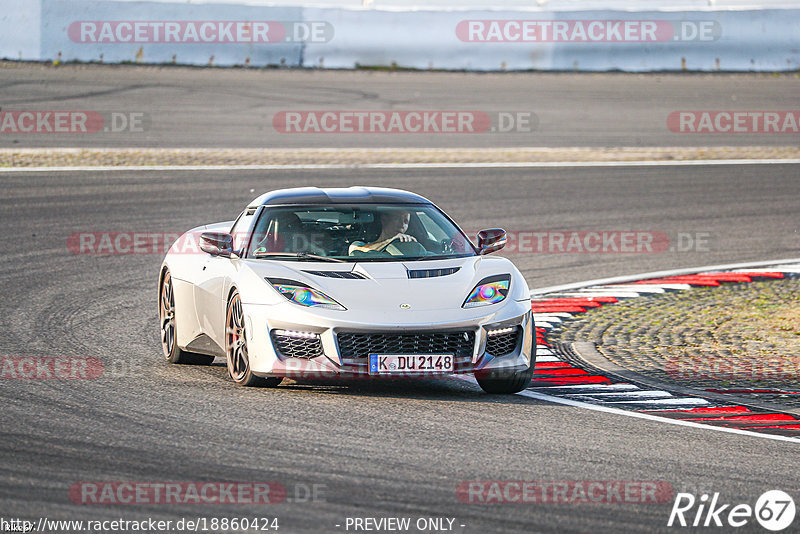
(491, 240)
(217, 243)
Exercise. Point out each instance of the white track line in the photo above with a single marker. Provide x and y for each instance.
(672, 286)
(649, 417)
(599, 293)
(782, 269)
(630, 394)
(673, 402)
(478, 165)
(651, 288)
(641, 288)
(594, 387)
(546, 319)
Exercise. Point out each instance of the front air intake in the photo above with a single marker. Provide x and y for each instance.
(503, 341)
(349, 275)
(432, 273)
(292, 344)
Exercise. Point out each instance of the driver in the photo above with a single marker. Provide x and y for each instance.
(394, 224)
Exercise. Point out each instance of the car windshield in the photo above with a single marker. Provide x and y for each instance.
(353, 232)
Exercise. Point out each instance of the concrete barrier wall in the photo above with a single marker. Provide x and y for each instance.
(702, 40)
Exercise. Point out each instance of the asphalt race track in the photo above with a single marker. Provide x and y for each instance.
(192, 107)
(395, 449)
(398, 449)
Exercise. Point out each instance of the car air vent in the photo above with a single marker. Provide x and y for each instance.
(503, 341)
(338, 274)
(432, 273)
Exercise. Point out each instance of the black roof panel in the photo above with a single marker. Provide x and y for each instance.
(338, 195)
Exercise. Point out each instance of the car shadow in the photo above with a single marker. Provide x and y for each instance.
(439, 389)
(454, 389)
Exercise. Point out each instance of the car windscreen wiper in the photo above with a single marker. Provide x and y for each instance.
(303, 256)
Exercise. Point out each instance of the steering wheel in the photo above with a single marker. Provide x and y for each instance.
(405, 248)
(395, 241)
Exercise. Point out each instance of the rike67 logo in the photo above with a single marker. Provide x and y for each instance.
(774, 510)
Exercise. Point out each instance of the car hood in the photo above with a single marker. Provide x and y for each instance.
(389, 286)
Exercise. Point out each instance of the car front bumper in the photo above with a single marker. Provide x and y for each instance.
(499, 341)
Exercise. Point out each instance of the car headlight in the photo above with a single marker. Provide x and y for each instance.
(302, 294)
(490, 290)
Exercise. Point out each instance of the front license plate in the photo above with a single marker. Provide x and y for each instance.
(387, 364)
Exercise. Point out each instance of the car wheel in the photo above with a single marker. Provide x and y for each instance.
(505, 383)
(166, 314)
(236, 348)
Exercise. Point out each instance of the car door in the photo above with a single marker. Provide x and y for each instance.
(214, 281)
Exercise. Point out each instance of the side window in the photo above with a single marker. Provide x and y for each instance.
(241, 227)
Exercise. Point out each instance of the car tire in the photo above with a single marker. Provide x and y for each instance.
(236, 348)
(505, 383)
(169, 340)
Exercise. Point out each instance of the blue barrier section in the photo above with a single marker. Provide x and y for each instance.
(64, 36)
(321, 37)
(757, 40)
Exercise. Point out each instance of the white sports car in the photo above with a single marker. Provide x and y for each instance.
(352, 282)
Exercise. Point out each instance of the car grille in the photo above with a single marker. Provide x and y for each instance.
(355, 348)
(296, 347)
(503, 344)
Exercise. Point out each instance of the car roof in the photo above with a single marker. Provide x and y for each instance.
(338, 195)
